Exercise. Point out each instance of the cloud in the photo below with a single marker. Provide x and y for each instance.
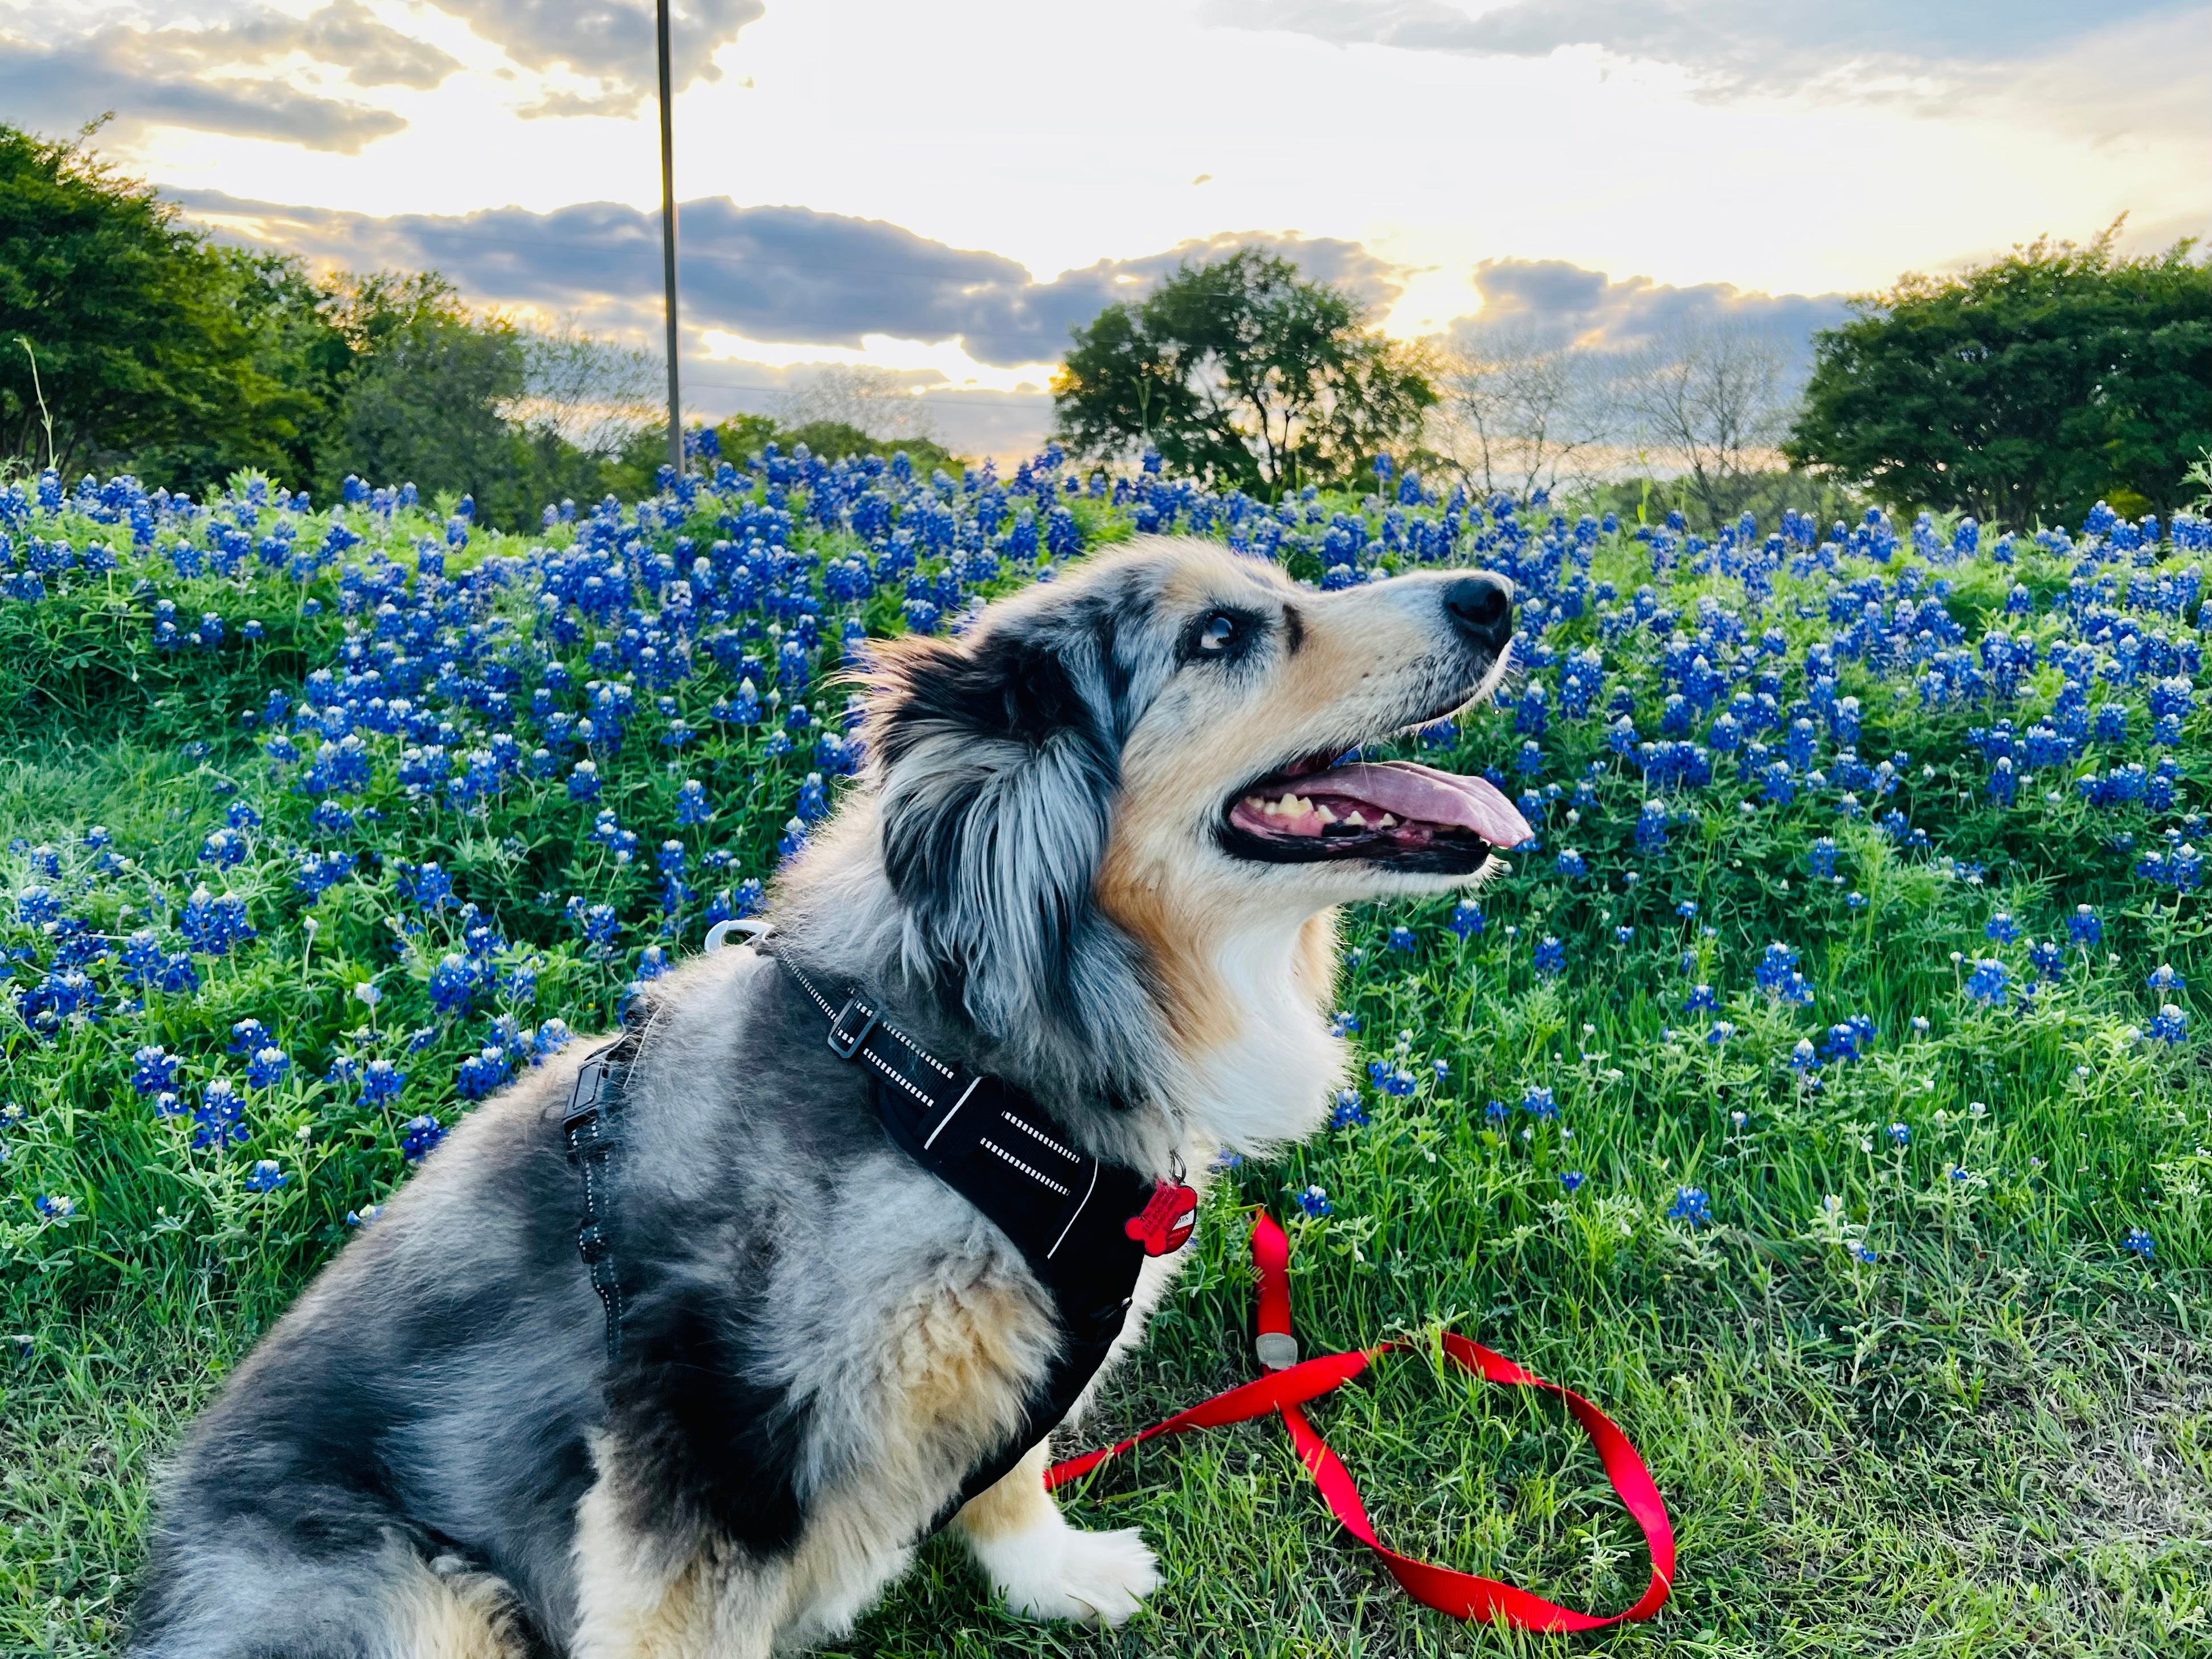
(1554, 301)
(608, 46)
(1769, 45)
(185, 76)
(769, 274)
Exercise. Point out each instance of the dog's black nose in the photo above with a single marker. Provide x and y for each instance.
(1479, 610)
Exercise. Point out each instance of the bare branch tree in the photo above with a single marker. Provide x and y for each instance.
(595, 392)
(1523, 411)
(1713, 403)
(877, 401)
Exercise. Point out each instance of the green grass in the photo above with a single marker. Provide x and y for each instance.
(1993, 1438)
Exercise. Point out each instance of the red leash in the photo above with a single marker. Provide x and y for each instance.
(1463, 1594)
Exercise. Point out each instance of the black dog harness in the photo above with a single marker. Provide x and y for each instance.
(1085, 1226)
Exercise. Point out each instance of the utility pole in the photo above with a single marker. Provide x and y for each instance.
(668, 245)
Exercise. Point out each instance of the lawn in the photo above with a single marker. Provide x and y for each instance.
(1824, 1092)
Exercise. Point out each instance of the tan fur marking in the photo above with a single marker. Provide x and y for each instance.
(1015, 1502)
(461, 1615)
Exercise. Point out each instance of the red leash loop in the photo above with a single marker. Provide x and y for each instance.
(1463, 1594)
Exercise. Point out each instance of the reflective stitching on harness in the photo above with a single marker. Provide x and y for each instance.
(918, 1052)
(947, 1118)
(1078, 1210)
(892, 1073)
(1036, 1134)
(1033, 1174)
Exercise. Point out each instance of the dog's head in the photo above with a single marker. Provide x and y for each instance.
(1147, 754)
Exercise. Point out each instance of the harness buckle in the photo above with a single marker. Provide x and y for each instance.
(845, 1047)
(1278, 1351)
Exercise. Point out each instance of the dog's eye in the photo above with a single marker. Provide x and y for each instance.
(1219, 634)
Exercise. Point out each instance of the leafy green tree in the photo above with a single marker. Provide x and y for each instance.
(1240, 371)
(126, 330)
(2022, 390)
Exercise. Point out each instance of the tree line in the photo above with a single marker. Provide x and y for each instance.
(2020, 391)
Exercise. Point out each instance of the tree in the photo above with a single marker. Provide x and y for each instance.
(126, 330)
(1522, 412)
(1713, 403)
(1240, 371)
(2024, 390)
(426, 396)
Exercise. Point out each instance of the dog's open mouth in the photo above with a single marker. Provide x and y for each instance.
(1390, 811)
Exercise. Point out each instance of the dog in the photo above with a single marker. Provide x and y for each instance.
(1095, 849)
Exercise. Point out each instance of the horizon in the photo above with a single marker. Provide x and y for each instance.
(1890, 142)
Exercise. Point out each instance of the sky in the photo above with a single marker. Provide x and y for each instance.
(943, 190)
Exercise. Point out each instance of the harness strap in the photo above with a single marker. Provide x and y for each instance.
(1076, 1220)
(592, 1135)
(1289, 1385)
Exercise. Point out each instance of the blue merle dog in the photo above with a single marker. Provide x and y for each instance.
(1097, 852)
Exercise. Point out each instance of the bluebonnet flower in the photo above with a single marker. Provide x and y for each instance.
(1623, 934)
(1722, 1031)
(1701, 1001)
(2048, 960)
(1691, 1204)
(1988, 981)
(1651, 827)
(381, 1082)
(1900, 1134)
(1821, 859)
(1550, 956)
(652, 963)
(1343, 1023)
(691, 804)
(454, 983)
(419, 1135)
(1390, 1078)
(2138, 1242)
(793, 838)
(1402, 938)
(54, 1207)
(2170, 1025)
(1467, 919)
(1864, 1255)
(1572, 866)
(246, 1036)
(584, 781)
(266, 1177)
(1314, 1200)
(363, 1216)
(267, 1069)
(1572, 1179)
(153, 1069)
(1800, 1057)
(1687, 909)
(2086, 927)
(1855, 899)
(220, 1117)
(813, 799)
(1539, 1103)
(2163, 979)
(1347, 1112)
(2003, 929)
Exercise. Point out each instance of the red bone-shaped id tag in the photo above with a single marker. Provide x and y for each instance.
(1166, 1224)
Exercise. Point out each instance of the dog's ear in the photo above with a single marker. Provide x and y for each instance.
(999, 760)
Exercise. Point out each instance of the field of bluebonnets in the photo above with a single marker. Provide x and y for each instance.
(1825, 1090)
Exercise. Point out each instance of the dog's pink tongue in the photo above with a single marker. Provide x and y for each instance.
(1412, 791)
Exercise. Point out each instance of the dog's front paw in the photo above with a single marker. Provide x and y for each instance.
(1054, 1571)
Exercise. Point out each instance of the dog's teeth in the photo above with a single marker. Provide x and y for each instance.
(1386, 822)
(1259, 806)
(1323, 813)
(1355, 820)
